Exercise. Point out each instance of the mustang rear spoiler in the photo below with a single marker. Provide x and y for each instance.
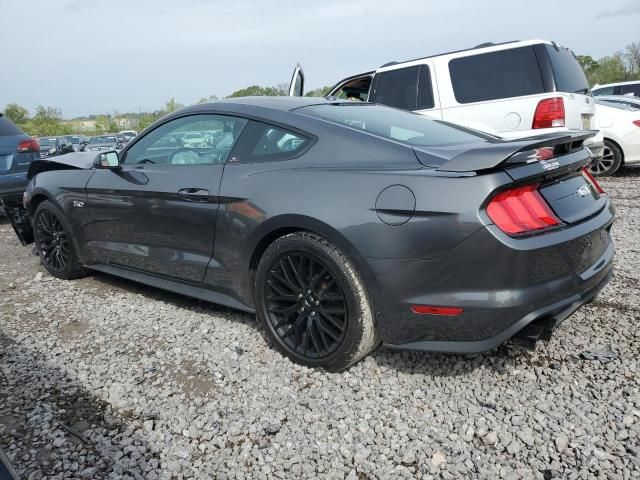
(493, 155)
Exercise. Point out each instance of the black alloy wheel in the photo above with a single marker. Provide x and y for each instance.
(305, 304)
(53, 244)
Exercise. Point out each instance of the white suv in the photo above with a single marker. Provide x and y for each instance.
(513, 89)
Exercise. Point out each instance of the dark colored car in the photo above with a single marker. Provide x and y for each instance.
(340, 224)
(78, 141)
(104, 142)
(17, 151)
(52, 146)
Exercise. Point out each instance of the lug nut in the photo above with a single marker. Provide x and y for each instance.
(308, 292)
(317, 302)
(313, 314)
(299, 295)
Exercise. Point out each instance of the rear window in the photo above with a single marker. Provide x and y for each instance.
(405, 127)
(8, 128)
(567, 72)
(46, 142)
(627, 89)
(491, 76)
(602, 91)
(103, 140)
(405, 88)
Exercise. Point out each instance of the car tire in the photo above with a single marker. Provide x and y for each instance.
(312, 303)
(53, 243)
(610, 161)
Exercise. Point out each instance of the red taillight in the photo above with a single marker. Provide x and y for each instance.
(592, 181)
(521, 210)
(636, 123)
(549, 113)
(433, 310)
(30, 145)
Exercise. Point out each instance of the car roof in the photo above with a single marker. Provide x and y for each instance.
(616, 84)
(276, 103)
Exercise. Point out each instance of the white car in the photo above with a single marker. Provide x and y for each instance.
(513, 89)
(621, 88)
(193, 139)
(621, 129)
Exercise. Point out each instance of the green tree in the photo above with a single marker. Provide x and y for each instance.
(210, 98)
(318, 92)
(147, 119)
(257, 91)
(47, 121)
(609, 70)
(172, 106)
(106, 124)
(588, 63)
(17, 114)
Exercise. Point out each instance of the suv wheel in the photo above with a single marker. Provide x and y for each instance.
(313, 304)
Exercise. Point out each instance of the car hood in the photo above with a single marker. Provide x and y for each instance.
(70, 161)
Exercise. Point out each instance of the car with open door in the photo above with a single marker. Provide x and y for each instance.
(340, 224)
(512, 89)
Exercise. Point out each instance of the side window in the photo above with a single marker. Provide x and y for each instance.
(262, 142)
(490, 76)
(602, 91)
(425, 89)
(192, 140)
(627, 89)
(398, 88)
(356, 89)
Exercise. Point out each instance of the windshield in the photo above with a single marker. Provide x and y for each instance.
(105, 139)
(393, 124)
(47, 142)
(74, 140)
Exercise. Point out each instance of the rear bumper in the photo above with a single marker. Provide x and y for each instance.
(12, 184)
(502, 285)
(551, 315)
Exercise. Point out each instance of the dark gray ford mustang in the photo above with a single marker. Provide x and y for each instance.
(341, 224)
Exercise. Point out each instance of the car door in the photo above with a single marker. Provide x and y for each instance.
(296, 87)
(156, 211)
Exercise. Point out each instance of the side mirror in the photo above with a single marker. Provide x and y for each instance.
(52, 151)
(107, 160)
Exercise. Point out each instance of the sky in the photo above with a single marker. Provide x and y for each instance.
(91, 56)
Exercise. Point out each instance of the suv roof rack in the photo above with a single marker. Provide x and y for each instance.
(388, 64)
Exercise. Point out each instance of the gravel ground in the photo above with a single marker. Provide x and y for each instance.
(103, 378)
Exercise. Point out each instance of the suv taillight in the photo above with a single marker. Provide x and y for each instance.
(636, 123)
(521, 210)
(549, 113)
(30, 145)
(596, 186)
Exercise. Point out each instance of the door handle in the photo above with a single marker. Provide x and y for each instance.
(194, 194)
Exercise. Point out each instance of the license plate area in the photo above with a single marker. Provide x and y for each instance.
(586, 121)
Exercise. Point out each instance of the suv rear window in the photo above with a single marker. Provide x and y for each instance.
(8, 128)
(406, 88)
(490, 76)
(567, 71)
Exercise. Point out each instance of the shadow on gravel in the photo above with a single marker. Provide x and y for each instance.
(154, 293)
(48, 423)
(434, 364)
(628, 171)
